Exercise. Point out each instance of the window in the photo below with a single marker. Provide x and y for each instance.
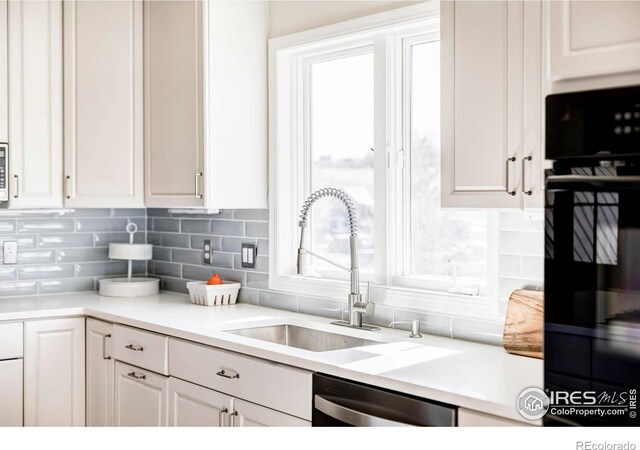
(340, 136)
(357, 107)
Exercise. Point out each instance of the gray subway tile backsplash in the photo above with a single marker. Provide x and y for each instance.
(227, 228)
(66, 240)
(7, 226)
(69, 252)
(197, 226)
(66, 251)
(257, 229)
(66, 285)
(56, 225)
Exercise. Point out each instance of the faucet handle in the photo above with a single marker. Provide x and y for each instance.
(415, 327)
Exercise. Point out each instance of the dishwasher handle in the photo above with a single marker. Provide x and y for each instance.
(353, 417)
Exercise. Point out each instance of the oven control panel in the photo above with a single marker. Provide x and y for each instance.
(4, 186)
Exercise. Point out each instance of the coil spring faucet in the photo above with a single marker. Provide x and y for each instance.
(357, 307)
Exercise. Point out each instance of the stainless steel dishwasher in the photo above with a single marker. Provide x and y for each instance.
(338, 403)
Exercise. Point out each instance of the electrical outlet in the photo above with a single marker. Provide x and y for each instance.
(249, 253)
(208, 251)
(10, 250)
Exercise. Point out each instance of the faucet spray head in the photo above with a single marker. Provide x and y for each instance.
(301, 266)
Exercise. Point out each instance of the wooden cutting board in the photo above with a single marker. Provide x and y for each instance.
(524, 323)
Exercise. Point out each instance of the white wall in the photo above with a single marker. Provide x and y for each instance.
(286, 17)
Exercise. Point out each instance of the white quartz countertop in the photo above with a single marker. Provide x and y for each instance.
(475, 376)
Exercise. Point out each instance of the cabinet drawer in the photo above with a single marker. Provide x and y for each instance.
(11, 340)
(141, 348)
(273, 385)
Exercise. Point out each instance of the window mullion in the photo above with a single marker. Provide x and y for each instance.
(381, 148)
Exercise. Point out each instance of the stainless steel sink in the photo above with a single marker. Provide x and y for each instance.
(304, 338)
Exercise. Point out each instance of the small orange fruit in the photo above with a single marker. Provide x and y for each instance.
(214, 279)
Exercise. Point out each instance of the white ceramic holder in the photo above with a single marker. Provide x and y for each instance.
(130, 287)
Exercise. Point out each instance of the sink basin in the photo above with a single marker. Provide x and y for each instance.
(304, 338)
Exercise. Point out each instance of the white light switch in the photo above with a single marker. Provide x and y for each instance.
(10, 252)
(249, 255)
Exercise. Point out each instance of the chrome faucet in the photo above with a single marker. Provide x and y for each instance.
(357, 307)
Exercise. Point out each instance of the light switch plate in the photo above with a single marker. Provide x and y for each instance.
(10, 250)
(249, 253)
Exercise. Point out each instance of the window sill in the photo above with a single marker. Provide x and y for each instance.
(421, 300)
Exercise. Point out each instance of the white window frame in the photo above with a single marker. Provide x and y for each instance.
(287, 109)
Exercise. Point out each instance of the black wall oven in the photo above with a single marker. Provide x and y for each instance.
(592, 257)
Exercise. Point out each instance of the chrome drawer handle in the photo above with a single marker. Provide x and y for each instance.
(104, 346)
(136, 376)
(524, 163)
(197, 185)
(135, 348)
(222, 373)
(509, 191)
(221, 416)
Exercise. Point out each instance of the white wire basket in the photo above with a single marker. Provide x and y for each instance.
(214, 294)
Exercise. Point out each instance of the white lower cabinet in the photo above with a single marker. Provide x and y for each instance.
(191, 405)
(246, 414)
(140, 397)
(54, 372)
(100, 374)
(11, 393)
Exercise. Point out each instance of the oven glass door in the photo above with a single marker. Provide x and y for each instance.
(592, 284)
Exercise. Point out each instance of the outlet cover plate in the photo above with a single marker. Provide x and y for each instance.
(10, 251)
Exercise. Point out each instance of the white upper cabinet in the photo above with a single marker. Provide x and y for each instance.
(206, 104)
(35, 103)
(491, 104)
(103, 95)
(174, 122)
(4, 74)
(593, 38)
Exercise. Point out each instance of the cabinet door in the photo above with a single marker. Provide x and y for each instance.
(11, 393)
(593, 38)
(482, 103)
(141, 397)
(100, 374)
(35, 103)
(174, 133)
(4, 74)
(251, 415)
(191, 405)
(54, 373)
(103, 104)
(532, 164)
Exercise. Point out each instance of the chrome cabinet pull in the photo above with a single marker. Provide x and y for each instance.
(512, 159)
(17, 180)
(223, 374)
(66, 186)
(524, 163)
(221, 415)
(137, 376)
(198, 194)
(135, 348)
(104, 346)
